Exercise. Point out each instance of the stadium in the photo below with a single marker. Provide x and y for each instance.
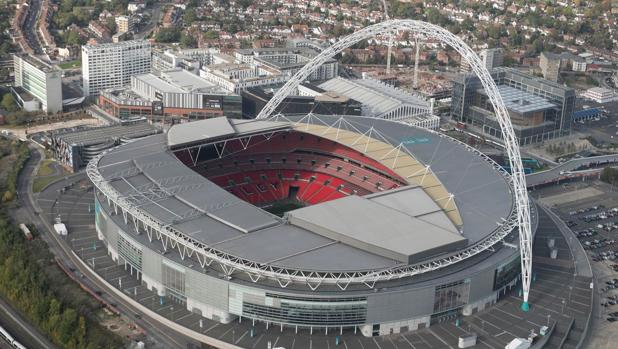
(321, 222)
(326, 223)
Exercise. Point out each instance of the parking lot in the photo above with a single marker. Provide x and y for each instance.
(604, 130)
(593, 220)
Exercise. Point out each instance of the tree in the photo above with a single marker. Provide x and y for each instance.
(190, 17)
(609, 175)
(188, 40)
(111, 25)
(211, 34)
(72, 38)
(8, 103)
(168, 35)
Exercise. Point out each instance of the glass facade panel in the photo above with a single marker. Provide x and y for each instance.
(506, 273)
(309, 312)
(131, 253)
(450, 296)
(173, 279)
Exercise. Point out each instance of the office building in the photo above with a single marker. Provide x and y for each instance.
(492, 58)
(38, 85)
(539, 109)
(550, 65)
(112, 65)
(124, 24)
(176, 94)
(286, 61)
(188, 59)
(238, 77)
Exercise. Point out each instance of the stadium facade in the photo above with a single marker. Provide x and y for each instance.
(397, 228)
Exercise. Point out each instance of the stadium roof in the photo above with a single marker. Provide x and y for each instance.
(380, 97)
(216, 128)
(347, 234)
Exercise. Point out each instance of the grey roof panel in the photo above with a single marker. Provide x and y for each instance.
(208, 230)
(244, 216)
(337, 257)
(216, 128)
(275, 243)
(199, 130)
(410, 200)
(394, 235)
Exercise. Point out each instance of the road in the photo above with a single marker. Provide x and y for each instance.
(30, 27)
(157, 333)
(101, 115)
(154, 19)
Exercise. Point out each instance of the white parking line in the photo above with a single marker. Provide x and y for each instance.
(408, 341)
(509, 314)
(258, 341)
(439, 338)
(211, 327)
(241, 337)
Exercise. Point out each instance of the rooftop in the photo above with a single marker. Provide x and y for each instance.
(122, 44)
(180, 81)
(106, 133)
(521, 101)
(38, 63)
(380, 97)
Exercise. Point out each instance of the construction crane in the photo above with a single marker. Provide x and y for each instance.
(390, 39)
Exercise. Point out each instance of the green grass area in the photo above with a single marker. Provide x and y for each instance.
(71, 64)
(544, 167)
(41, 182)
(580, 81)
(279, 208)
(46, 168)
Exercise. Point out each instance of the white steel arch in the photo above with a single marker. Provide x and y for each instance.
(430, 31)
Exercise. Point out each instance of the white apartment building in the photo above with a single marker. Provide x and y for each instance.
(237, 77)
(188, 59)
(39, 79)
(600, 95)
(112, 65)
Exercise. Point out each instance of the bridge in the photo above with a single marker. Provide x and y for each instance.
(582, 167)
